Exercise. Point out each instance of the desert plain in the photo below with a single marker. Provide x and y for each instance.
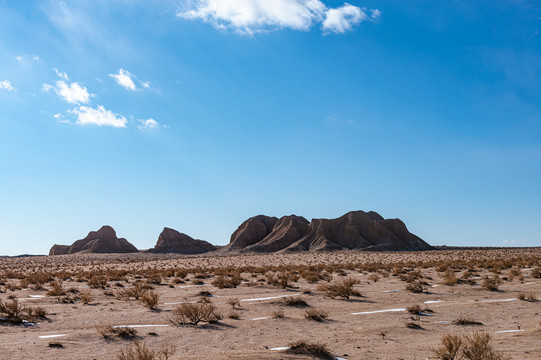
(357, 305)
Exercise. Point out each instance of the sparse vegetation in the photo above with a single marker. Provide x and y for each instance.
(316, 350)
(475, 346)
(193, 314)
(492, 283)
(150, 299)
(342, 289)
(316, 314)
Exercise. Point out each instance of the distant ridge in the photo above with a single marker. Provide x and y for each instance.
(102, 241)
(356, 230)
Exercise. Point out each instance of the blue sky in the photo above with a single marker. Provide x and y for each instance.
(199, 114)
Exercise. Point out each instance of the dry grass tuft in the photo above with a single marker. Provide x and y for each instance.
(193, 314)
(150, 299)
(316, 350)
(342, 289)
(316, 314)
(475, 346)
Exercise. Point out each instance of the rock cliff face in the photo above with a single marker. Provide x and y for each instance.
(354, 230)
(172, 241)
(102, 241)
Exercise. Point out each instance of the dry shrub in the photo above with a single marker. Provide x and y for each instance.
(316, 314)
(449, 278)
(97, 282)
(536, 273)
(531, 297)
(109, 332)
(14, 312)
(343, 288)
(450, 348)
(235, 315)
(283, 279)
(316, 350)
(139, 351)
(233, 302)
(373, 277)
(56, 289)
(150, 299)
(136, 291)
(87, 297)
(415, 287)
(294, 301)
(278, 314)
(193, 314)
(226, 282)
(469, 347)
(37, 312)
(492, 283)
(466, 321)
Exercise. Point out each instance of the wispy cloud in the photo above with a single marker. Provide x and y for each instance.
(6, 85)
(255, 16)
(61, 74)
(98, 116)
(73, 93)
(148, 124)
(125, 79)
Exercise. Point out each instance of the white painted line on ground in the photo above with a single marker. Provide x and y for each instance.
(270, 298)
(180, 302)
(442, 322)
(189, 286)
(138, 326)
(378, 311)
(391, 291)
(529, 283)
(261, 318)
(51, 336)
(433, 301)
(280, 348)
(37, 296)
(494, 300)
(507, 331)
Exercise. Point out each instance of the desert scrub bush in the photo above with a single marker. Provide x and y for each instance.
(56, 289)
(415, 287)
(139, 351)
(373, 277)
(136, 291)
(527, 297)
(475, 346)
(235, 315)
(315, 350)
(294, 301)
(316, 314)
(417, 310)
(492, 283)
(87, 297)
(449, 278)
(450, 348)
(226, 282)
(342, 289)
(283, 279)
(278, 314)
(466, 321)
(193, 314)
(536, 273)
(150, 299)
(109, 332)
(14, 312)
(233, 302)
(97, 282)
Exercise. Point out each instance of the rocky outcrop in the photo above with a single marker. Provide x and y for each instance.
(354, 230)
(252, 231)
(102, 241)
(172, 241)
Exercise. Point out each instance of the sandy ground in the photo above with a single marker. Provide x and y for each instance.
(355, 329)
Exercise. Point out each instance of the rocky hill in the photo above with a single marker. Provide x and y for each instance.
(102, 241)
(172, 241)
(354, 230)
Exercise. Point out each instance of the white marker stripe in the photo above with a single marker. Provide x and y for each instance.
(51, 336)
(507, 331)
(270, 298)
(378, 311)
(137, 326)
(261, 318)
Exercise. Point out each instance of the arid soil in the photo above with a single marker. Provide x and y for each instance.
(93, 293)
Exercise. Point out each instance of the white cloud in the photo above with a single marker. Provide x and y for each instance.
(124, 79)
(148, 124)
(342, 19)
(19, 58)
(72, 93)
(5, 84)
(254, 16)
(145, 84)
(99, 116)
(61, 74)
